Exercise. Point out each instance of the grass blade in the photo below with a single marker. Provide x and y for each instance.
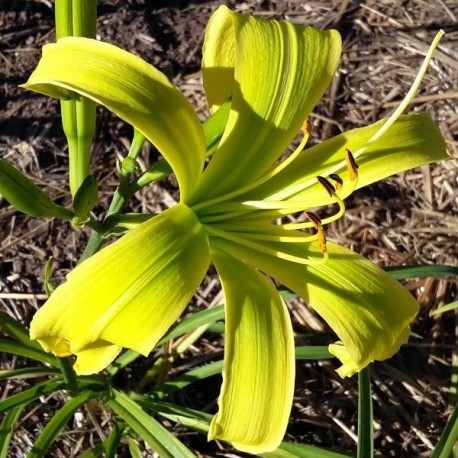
(445, 308)
(289, 450)
(7, 427)
(448, 437)
(200, 421)
(54, 427)
(191, 376)
(313, 352)
(30, 395)
(18, 332)
(27, 372)
(403, 272)
(150, 430)
(20, 349)
(365, 417)
(114, 439)
(193, 322)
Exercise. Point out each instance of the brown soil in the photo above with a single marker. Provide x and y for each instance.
(408, 219)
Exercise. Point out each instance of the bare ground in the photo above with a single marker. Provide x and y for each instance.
(408, 219)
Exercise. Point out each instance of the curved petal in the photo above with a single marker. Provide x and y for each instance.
(131, 88)
(254, 405)
(412, 141)
(128, 294)
(275, 73)
(368, 310)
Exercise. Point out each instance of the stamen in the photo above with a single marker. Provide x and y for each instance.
(352, 166)
(326, 185)
(306, 129)
(320, 232)
(264, 249)
(339, 182)
(317, 221)
(264, 236)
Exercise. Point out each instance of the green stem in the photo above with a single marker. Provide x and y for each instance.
(69, 375)
(365, 417)
(77, 18)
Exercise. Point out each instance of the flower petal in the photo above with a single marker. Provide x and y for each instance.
(129, 293)
(275, 72)
(368, 310)
(254, 405)
(412, 141)
(131, 88)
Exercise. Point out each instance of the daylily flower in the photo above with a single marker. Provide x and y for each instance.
(234, 213)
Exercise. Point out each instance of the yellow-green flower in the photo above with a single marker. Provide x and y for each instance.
(234, 214)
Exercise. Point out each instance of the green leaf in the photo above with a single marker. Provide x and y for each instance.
(191, 376)
(27, 372)
(365, 418)
(27, 197)
(31, 394)
(94, 452)
(57, 423)
(6, 428)
(290, 450)
(445, 308)
(403, 272)
(193, 322)
(18, 332)
(134, 449)
(47, 284)
(448, 438)
(193, 419)
(151, 431)
(18, 348)
(114, 439)
(124, 360)
(313, 352)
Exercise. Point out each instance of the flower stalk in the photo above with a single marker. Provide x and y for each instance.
(77, 18)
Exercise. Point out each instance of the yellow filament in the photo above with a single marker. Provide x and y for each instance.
(306, 129)
(281, 238)
(264, 249)
(329, 219)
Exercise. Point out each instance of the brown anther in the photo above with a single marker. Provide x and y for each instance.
(314, 219)
(320, 233)
(326, 185)
(336, 178)
(307, 127)
(351, 165)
